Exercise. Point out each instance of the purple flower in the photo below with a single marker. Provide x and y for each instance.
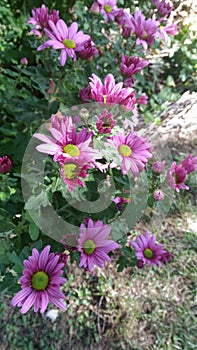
(105, 122)
(134, 152)
(158, 167)
(108, 9)
(95, 8)
(65, 38)
(87, 50)
(72, 169)
(163, 7)
(176, 177)
(110, 92)
(40, 19)
(5, 165)
(189, 163)
(158, 195)
(143, 99)
(66, 142)
(93, 244)
(85, 94)
(145, 29)
(166, 257)
(164, 31)
(131, 65)
(41, 282)
(120, 201)
(24, 61)
(129, 82)
(147, 250)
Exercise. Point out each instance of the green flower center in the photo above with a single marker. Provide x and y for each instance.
(144, 35)
(72, 150)
(70, 171)
(39, 280)
(69, 44)
(107, 8)
(106, 123)
(148, 253)
(125, 150)
(89, 247)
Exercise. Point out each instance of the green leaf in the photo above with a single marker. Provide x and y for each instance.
(33, 231)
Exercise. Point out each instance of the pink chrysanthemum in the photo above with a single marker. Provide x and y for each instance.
(65, 38)
(108, 9)
(121, 201)
(131, 65)
(189, 163)
(93, 245)
(41, 282)
(163, 32)
(163, 7)
(176, 177)
(147, 250)
(66, 142)
(110, 92)
(142, 99)
(145, 29)
(5, 165)
(158, 167)
(158, 195)
(105, 122)
(40, 19)
(71, 171)
(134, 152)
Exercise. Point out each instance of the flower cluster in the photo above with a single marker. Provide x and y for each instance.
(61, 37)
(72, 150)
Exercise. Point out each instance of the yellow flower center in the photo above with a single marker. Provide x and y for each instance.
(144, 35)
(69, 44)
(107, 8)
(148, 253)
(125, 150)
(72, 150)
(89, 247)
(70, 171)
(39, 280)
(105, 98)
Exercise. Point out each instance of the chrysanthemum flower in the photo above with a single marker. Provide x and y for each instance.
(85, 94)
(65, 38)
(110, 92)
(158, 167)
(66, 142)
(41, 282)
(145, 29)
(147, 250)
(87, 50)
(163, 7)
(131, 65)
(40, 19)
(71, 171)
(108, 9)
(163, 32)
(93, 245)
(134, 152)
(105, 122)
(176, 177)
(158, 195)
(5, 165)
(120, 201)
(142, 99)
(189, 163)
